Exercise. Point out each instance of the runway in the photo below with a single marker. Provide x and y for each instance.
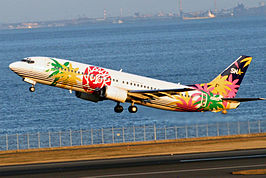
(216, 164)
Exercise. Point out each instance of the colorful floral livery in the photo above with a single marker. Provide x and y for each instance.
(96, 84)
(214, 96)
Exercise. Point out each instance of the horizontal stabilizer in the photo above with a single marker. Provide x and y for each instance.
(163, 90)
(243, 99)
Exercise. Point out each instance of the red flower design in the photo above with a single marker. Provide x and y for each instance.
(95, 77)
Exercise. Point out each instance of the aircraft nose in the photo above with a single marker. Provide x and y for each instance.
(13, 66)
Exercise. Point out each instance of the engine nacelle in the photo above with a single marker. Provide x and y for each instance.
(88, 96)
(116, 94)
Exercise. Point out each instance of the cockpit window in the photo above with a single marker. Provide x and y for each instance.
(28, 60)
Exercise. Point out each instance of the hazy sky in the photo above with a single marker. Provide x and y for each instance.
(35, 10)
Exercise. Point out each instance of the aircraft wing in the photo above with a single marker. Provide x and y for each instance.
(147, 95)
(242, 99)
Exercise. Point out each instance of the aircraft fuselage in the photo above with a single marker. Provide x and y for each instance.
(96, 84)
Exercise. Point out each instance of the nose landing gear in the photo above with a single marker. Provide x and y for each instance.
(32, 88)
(32, 82)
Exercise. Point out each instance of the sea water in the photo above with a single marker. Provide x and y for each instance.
(185, 52)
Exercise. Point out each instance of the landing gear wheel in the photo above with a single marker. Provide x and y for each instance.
(118, 108)
(32, 89)
(132, 109)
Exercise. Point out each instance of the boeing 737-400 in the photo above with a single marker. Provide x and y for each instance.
(97, 84)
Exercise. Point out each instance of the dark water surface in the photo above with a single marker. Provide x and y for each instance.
(187, 52)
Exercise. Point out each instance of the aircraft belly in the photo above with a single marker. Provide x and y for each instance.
(164, 103)
(175, 103)
(158, 106)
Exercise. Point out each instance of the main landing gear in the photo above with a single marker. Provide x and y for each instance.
(118, 108)
(132, 109)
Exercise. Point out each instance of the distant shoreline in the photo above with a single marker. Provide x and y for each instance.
(238, 11)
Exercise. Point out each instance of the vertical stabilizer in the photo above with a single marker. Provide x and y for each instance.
(228, 82)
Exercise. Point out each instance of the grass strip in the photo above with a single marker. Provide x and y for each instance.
(250, 172)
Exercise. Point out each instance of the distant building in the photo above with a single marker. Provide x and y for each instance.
(136, 14)
(257, 11)
(240, 10)
(104, 14)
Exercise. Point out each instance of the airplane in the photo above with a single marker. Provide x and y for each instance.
(95, 84)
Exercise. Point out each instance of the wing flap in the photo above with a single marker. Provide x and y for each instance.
(148, 95)
(163, 90)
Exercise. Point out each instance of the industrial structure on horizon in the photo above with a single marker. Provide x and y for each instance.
(180, 14)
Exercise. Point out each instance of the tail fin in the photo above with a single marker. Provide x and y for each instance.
(228, 82)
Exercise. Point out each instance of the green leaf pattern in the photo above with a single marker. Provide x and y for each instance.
(56, 69)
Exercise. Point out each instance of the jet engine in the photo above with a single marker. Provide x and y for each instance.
(114, 93)
(88, 96)
(107, 92)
